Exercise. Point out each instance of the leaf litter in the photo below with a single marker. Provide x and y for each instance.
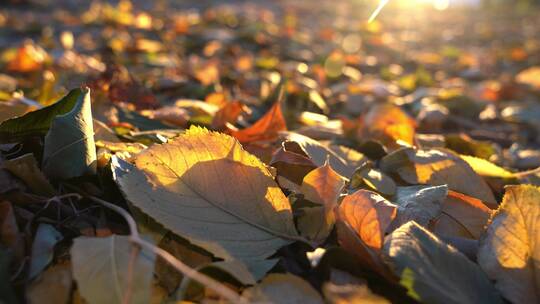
(269, 152)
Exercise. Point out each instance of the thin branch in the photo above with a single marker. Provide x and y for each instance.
(527, 173)
(193, 274)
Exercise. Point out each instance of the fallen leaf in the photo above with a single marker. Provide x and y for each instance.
(204, 187)
(52, 286)
(10, 235)
(342, 159)
(509, 251)
(283, 289)
(102, 264)
(421, 204)
(369, 214)
(37, 123)
(486, 168)
(387, 123)
(267, 128)
(374, 179)
(462, 216)
(434, 272)
(43, 248)
(322, 186)
(25, 167)
(361, 221)
(228, 114)
(438, 167)
(291, 162)
(69, 149)
(530, 77)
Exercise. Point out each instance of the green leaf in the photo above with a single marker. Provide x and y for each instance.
(43, 248)
(283, 289)
(37, 123)
(434, 272)
(101, 269)
(69, 145)
(204, 187)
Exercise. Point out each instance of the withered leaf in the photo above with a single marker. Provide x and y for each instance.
(510, 250)
(204, 187)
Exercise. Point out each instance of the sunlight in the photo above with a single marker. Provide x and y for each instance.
(439, 5)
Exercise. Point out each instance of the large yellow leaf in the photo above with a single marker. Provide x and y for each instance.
(510, 250)
(204, 187)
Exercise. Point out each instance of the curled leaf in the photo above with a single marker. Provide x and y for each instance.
(69, 145)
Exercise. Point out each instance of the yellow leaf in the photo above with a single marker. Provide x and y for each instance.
(204, 187)
(509, 252)
(486, 168)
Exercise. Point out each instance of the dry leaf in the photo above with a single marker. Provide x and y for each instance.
(283, 289)
(434, 272)
(362, 220)
(387, 123)
(438, 167)
(510, 250)
(204, 187)
(462, 216)
(267, 128)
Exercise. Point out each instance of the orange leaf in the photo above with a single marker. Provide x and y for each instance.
(462, 216)
(387, 123)
(369, 214)
(265, 129)
(362, 219)
(29, 58)
(227, 114)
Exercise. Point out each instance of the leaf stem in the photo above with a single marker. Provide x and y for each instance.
(193, 274)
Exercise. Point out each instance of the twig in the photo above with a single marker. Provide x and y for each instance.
(527, 173)
(219, 288)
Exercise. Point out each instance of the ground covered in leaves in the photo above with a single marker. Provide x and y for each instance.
(288, 151)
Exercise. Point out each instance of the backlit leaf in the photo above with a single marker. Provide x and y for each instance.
(510, 250)
(204, 187)
(437, 167)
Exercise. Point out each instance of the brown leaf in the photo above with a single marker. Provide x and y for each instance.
(462, 216)
(229, 113)
(292, 162)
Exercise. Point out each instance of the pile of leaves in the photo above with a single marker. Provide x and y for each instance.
(274, 153)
